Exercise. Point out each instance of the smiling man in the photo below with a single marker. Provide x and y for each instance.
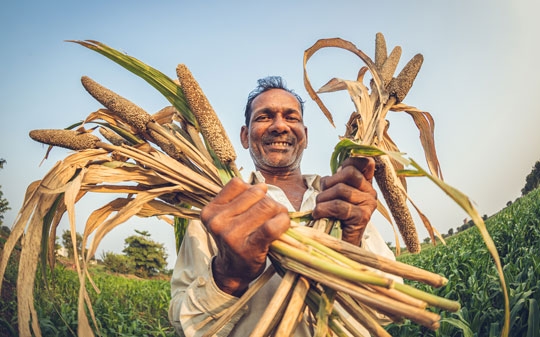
(276, 135)
(227, 250)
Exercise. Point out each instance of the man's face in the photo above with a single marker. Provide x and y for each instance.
(276, 136)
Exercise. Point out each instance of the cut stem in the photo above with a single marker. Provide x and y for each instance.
(233, 309)
(294, 312)
(370, 259)
(272, 313)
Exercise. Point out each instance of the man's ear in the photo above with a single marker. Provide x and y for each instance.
(305, 129)
(244, 136)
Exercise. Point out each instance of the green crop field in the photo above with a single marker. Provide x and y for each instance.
(473, 280)
(136, 307)
(125, 306)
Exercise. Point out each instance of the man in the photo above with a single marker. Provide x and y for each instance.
(221, 256)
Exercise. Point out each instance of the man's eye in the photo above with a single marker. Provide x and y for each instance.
(293, 118)
(261, 118)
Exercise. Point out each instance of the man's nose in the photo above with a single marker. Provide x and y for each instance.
(279, 125)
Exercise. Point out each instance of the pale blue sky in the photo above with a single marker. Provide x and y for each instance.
(479, 80)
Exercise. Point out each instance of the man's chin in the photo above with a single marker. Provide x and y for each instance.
(276, 161)
(281, 166)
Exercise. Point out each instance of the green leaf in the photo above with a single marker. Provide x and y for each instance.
(347, 147)
(409, 173)
(533, 321)
(180, 228)
(460, 324)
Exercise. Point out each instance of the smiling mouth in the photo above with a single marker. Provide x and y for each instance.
(279, 144)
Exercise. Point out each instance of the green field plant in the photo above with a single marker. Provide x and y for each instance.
(467, 264)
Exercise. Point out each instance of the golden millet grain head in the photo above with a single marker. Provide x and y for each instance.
(69, 139)
(166, 146)
(129, 112)
(399, 87)
(112, 137)
(397, 203)
(211, 126)
(380, 50)
(390, 65)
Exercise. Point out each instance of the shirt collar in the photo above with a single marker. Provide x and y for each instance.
(311, 180)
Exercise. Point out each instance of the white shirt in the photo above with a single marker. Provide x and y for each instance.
(197, 302)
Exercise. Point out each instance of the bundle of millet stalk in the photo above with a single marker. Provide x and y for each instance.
(318, 269)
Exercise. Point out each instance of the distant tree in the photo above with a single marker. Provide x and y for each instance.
(427, 240)
(57, 245)
(450, 232)
(117, 263)
(5, 231)
(148, 257)
(509, 203)
(465, 225)
(68, 243)
(532, 180)
(4, 204)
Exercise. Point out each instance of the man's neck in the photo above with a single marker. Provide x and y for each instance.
(291, 182)
(277, 178)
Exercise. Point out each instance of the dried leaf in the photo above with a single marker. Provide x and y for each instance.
(339, 43)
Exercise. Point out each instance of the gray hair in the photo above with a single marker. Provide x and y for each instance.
(265, 84)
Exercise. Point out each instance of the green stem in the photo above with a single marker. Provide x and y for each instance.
(328, 267)
(327, 251)
(434, 300)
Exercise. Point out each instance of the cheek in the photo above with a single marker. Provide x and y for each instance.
(255, 133)
(302, 139)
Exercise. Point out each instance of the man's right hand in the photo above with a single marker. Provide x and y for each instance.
(243, 221)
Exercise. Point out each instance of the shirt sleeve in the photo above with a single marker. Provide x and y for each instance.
(196, 301)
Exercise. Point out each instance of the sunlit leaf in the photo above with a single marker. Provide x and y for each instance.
(170, 90)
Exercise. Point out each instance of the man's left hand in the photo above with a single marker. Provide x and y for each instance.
(349, 196)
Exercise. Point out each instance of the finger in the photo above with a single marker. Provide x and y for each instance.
(337, 209)
(248, 198)
(340, 191)
(251, 246)
(353, 218)
(346, 212)
(231, 190)
(347, 172)
(260, 213)
(347, 193)
(218, 215)
(366, 165)
(348, 175)
(271, 230)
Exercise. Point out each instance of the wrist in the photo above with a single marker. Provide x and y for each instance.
(353, 237)
(235, 286)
